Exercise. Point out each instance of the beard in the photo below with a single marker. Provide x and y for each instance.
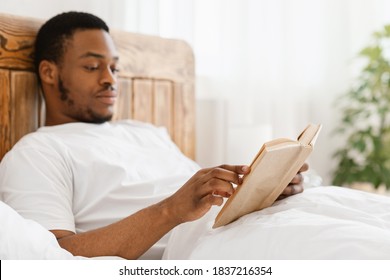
(63, 90)
(80, 114)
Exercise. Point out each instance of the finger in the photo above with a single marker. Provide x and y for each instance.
(211, 200)
(217, 187)
(298, 189)
(298, 179)
(282, 196)
(304, 167)
(292, 189)
(239, 169)
(222, 174)
(224, 194)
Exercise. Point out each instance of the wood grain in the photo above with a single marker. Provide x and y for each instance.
(24, 104)
(154, 57)
(124, 100)
(17, 37)
(163, 105)
(5, 105)
(143, 100)
(184, 118)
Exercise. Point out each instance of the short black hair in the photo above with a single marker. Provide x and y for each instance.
(51, 38)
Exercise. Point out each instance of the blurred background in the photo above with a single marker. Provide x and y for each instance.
(264, 68)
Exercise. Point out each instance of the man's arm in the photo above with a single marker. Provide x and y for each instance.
(128, 238)
(134, 235)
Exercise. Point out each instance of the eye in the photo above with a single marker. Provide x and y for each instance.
(114, 70)
(91, 68)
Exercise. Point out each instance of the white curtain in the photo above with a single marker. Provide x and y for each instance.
(265, 68)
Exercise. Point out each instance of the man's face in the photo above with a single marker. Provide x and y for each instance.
(87, 77)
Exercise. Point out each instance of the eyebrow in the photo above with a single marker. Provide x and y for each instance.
(96, 55)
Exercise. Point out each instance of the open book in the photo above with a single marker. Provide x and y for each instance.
(273, 168)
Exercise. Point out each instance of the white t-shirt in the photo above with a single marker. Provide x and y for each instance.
(80, 176)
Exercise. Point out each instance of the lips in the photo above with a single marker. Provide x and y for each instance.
(107, 97)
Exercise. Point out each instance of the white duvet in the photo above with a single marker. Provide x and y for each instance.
(320, 223)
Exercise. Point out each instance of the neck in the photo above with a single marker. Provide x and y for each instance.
(53, 118)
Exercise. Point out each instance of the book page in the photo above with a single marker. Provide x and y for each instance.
(309, 134)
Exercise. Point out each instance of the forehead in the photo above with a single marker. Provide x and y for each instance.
(91, 41)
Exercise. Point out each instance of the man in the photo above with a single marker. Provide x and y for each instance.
(103, 189)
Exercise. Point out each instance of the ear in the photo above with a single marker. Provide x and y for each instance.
(48, 72)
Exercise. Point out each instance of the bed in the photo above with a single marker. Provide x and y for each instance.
(156, 85)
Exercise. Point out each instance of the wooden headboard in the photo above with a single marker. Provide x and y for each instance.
(156, 83)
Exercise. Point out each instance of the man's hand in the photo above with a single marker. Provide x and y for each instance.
(210, 186)
(206, 188)
(296, 184)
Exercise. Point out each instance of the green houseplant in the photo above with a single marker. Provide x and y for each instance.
(365, 123)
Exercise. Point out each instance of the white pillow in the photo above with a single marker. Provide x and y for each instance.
(25, 239)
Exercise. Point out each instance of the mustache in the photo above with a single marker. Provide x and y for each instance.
(108, 88)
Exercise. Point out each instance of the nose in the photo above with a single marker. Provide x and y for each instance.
(108, 77)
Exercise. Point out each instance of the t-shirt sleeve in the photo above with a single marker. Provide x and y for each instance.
(37, 183)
